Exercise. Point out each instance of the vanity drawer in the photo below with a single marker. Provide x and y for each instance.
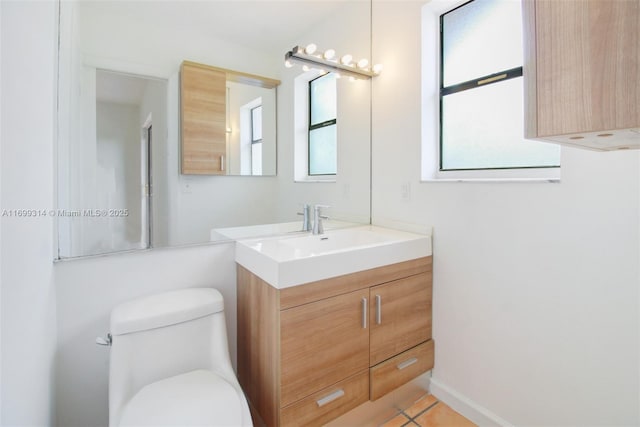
(401, 369)
(329, 403)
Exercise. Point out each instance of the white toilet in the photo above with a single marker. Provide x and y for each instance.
(170, 363)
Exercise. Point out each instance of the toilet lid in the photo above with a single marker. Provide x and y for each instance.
(197, 398)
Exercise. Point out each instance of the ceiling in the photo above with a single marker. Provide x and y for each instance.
(261, 19)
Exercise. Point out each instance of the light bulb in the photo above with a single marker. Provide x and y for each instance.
(305, 68)
(346, 59)
(363, 63)
(329, 53)
(288, 64)
(352, 79)
(310, 49)
(338, 75)
(377, 68)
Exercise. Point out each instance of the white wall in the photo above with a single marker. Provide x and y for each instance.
(536, 286)
(1, 38)
(28, 298)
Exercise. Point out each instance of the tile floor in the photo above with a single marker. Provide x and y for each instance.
(428, 412)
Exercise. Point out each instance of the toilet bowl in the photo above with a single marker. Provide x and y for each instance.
(170, 363)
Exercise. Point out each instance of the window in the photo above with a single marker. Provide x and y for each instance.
(480, 94)
(256, 140)
(322, 126)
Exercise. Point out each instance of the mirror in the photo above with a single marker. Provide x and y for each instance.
(120, 184)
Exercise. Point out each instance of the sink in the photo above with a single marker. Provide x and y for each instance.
(286, 261)
(264, 230)
(351, 239)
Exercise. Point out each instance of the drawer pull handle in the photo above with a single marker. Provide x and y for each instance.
(378, 309)
(407, 363)
(364, 313)
(330, 398)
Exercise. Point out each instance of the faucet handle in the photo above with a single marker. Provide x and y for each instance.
(306, 217)
(317, 211)
(305, 209)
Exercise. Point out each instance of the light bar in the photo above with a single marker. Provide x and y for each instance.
(298, 54)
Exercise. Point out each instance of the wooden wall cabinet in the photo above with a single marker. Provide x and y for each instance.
(582, 72)
(203, 119)
(310, 353)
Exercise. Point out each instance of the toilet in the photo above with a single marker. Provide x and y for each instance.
(170, 363)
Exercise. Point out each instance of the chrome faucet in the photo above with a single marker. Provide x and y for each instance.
(317, 219)
(306, 217)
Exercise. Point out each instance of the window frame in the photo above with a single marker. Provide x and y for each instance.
(431, 117)
(253, 140)
(320, 125)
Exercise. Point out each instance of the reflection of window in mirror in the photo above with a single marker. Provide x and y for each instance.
(322, 125)
(256, 140)
(251, 138)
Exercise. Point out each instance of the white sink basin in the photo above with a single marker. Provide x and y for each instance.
(264, 230)
(290, 261)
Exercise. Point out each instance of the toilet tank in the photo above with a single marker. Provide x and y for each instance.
(163, 335)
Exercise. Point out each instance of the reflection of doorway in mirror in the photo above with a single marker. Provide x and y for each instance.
(146, 184)
(108, 206)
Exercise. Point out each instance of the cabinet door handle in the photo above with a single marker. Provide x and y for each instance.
(364, 313)
(378, 309)
(222, 163)
(330, 398)
(407, 363)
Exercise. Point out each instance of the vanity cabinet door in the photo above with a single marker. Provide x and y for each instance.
(400, 316)
(322, 343)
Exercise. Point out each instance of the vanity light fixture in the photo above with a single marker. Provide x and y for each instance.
(311, 58)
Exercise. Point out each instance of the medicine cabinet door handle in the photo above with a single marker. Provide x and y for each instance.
(364, 313)
(378, 309)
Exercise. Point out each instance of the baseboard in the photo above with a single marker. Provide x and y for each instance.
(465, 406)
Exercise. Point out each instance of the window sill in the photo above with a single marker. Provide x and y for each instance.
(493, 180)
(315, 180)
(495, 175)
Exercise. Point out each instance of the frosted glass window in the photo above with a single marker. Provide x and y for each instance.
(323, 98)
(478, 137)
(322, 151)
(481, 91)
(322, 126)
(256, 158)
(480, 38)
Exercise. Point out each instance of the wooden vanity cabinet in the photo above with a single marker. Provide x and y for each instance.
(310, 353)
(582, 72)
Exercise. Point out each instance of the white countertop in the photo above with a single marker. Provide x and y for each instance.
(285, 261)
